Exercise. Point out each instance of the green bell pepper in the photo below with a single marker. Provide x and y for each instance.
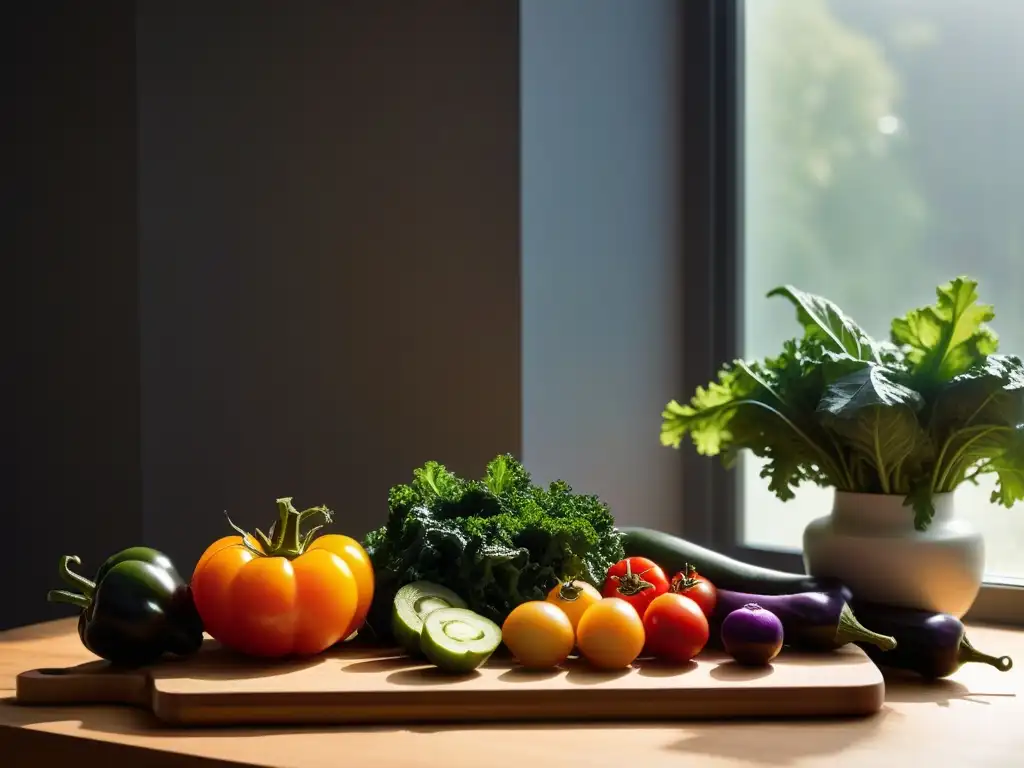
(137, 609)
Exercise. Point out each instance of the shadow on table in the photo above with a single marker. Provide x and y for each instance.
(907, 688)
(820, 737)
(754, 742)
(765, 743)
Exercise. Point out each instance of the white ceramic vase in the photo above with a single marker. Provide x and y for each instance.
(869, 542)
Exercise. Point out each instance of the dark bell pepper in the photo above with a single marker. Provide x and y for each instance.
(137, 609)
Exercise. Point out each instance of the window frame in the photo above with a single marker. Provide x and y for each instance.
(712, 313)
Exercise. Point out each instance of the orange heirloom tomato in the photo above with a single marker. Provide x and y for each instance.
(286, 595)
(352, 552)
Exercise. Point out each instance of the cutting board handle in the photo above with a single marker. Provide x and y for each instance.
(94, 683)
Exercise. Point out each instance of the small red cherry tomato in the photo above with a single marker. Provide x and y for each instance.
(675, 628)
(691, 584)
(636, 580)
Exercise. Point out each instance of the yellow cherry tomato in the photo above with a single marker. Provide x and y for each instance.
(610, 634)
(539, 634)
(574, 597)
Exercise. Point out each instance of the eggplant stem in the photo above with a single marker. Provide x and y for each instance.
(968, 653)
(850, 630)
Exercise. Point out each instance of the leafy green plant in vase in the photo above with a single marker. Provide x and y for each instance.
(894, 426)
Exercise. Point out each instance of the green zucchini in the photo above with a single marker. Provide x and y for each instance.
(673, 554)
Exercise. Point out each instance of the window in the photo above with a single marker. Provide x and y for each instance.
(867, 151)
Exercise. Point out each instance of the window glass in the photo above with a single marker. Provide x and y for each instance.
(884, 155)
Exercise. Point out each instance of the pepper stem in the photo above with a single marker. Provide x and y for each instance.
(850, 630)
(968, 653)
(76, 580)
(71, 598)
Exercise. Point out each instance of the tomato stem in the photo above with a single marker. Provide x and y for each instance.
(685, 579)
(633, 583)
(289, 540)
(286, 536)
(246, 538)
(569, 591)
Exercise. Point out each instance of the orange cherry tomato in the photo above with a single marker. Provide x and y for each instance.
(610, 634)
(277, 597)
(574, 597)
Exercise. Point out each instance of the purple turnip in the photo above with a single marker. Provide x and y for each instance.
(820, 621)
(752, 635)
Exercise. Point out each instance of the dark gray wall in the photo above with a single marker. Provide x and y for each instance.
(329, 247)
(71, 369)
(320, 283)
(602, 344)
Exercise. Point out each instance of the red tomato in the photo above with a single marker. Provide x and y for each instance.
(636, 580)
(675, 627)
(694, 586)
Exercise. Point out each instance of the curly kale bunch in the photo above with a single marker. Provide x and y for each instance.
(497, 542)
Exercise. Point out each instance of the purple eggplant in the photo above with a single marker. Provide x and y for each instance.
(813, 621)
(933, 645)
(752, 635)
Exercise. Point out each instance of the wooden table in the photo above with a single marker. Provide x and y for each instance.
(975, 718)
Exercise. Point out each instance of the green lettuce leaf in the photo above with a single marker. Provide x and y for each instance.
(766, 408)
(992, 392)
(1009, 469)
(919, 414)
(977, 417)
(983, 450)
(876, 417)
(824, 321)
(947, 339)
(975, 424)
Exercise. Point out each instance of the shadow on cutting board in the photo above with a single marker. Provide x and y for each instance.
(731, 672)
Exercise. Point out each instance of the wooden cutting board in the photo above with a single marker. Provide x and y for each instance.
(365, 685)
